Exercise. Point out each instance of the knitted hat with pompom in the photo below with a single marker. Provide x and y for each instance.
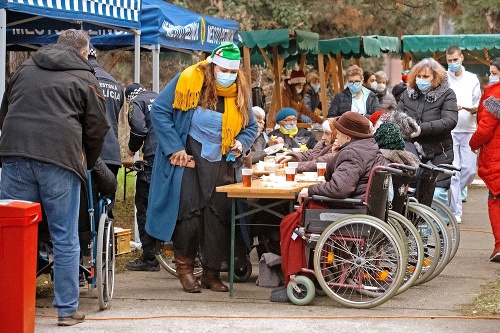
(389, 137)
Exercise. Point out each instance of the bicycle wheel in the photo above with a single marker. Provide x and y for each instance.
(415, 250)
(165, 257)
(451, 221)
(430, 239)
(444, 238)
(105, 261)
(359, 261)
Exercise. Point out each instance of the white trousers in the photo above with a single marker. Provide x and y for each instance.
(463, 158)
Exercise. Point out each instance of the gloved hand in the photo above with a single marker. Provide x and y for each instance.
(326, 126)
(306, 119)
(415, 133)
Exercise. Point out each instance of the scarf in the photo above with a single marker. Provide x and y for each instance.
(290, 133)
(187, 95)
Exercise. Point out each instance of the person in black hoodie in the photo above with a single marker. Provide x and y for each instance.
(112, 91)
(53, 126)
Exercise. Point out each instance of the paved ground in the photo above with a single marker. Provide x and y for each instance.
(154, 302)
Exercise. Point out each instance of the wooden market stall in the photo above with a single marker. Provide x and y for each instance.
(275, 46)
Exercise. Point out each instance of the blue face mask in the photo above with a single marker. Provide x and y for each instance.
(493, 79)
(354, 87)
(226, 79)
(423, 84)
(290, 127)
(455, 66)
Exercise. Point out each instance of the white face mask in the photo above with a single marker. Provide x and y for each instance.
(381, 87)
(373, 85)
(298, 90)
(315, 87)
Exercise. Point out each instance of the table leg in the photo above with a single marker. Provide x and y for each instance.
(231, 261)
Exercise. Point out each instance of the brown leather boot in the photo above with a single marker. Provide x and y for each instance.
(184, 268)
(210, 279)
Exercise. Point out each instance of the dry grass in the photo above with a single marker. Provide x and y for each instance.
(487, 303)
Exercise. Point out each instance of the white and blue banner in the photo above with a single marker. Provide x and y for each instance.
(119, 13)
(162, 23)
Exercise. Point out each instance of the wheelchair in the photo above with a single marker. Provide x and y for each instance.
(97, 247)
(358, 259)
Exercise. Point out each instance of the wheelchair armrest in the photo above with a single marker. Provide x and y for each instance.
(347, 201)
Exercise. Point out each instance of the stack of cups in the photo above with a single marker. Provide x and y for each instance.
(291, 171)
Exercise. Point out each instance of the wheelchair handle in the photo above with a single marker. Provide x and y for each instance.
(450, 167)
(403, 167)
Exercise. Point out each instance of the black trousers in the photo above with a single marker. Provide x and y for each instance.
(142, 184)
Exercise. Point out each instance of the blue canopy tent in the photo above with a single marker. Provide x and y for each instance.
(165, 26)
(101, 15)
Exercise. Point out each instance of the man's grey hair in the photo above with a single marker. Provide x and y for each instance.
(76, 38)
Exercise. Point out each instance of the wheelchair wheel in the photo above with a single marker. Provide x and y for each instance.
(243, 273)
(415, 250)
(165, 257)
(430, 239)
(359, 261)
(400, 232)
(451, 221)
(306, 293)
(105, 261)
(444, 239)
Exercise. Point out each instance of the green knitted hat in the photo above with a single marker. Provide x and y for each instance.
(226, 55)
(389, 137)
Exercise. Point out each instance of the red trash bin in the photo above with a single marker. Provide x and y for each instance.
(18, 260)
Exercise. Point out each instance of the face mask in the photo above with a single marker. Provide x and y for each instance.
(455, 67)
(315, 87)
(493, 79)
(298, 90)
(354, 87)
(423, 84)
(226, 79)
(381, 87)
(290, 127)
(373, 85)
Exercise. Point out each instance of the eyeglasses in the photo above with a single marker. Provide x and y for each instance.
(289, 120)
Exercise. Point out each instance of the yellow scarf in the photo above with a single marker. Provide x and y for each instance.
(187, 95)
(290, 133)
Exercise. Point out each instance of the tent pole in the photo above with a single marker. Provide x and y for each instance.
(137, 57)
(322, 92)
(3, 55)
(155, 49)
(247, 68)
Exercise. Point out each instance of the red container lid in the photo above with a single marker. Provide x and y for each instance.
(15, 212)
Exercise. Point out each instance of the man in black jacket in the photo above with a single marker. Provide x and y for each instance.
(53, 126)
(142, 135)
(111, 90)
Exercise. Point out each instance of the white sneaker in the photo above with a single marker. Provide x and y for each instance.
(458, 218)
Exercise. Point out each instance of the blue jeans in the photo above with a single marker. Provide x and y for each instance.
(58, 190)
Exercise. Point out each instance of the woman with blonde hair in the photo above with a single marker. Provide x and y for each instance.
(355, 97)
(203, 122)
(431, 102)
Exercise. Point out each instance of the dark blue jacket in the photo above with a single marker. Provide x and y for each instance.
(342, 103)
(142, 133)
(113, 93)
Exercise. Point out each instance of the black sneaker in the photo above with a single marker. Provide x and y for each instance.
(141, 264)
(495, 256)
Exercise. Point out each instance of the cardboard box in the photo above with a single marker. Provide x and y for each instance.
(122, 240)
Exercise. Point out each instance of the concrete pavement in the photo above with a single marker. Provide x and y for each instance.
(154, 301)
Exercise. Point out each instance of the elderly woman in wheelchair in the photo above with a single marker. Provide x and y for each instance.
(356, 257)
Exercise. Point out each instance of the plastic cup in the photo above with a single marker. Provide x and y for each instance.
(290, 174)
(293, 165)
(321, 169)
(247, 177)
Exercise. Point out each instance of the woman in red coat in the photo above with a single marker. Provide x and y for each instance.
(486, 139)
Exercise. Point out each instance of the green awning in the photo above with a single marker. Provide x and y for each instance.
(473, 47)
(289, 42)
(359, 46)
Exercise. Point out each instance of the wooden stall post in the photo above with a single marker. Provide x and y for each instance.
(247, 68)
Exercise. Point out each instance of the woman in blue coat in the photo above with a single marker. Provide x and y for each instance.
(204, 112)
